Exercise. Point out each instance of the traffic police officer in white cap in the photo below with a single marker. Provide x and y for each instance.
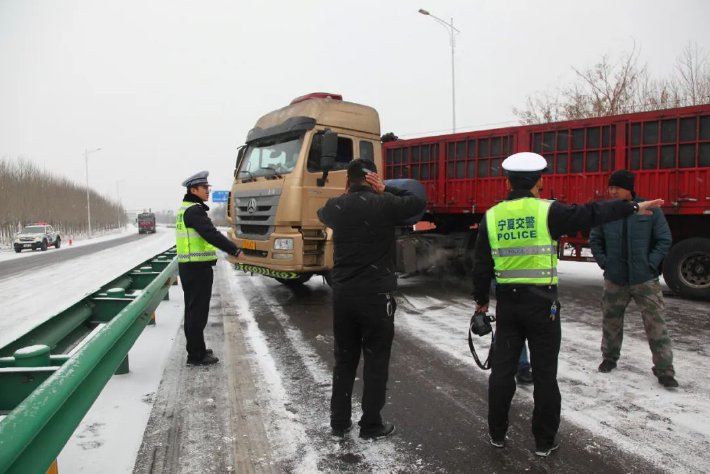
(197, 241)
(517, 245)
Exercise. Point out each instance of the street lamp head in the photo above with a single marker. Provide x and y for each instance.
(423, 12)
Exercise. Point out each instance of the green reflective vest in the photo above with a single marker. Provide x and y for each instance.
(522, 248)
(191, 247)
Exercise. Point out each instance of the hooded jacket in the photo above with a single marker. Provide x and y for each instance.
(636, 258)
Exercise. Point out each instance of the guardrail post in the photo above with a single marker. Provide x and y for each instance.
(123, 368)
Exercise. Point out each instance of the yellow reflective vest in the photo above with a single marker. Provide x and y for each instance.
(191, 247)
(522, 248)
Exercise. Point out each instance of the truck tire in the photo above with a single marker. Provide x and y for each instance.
(18, 249)
(686, 269)
(44, 246)
(57, 243)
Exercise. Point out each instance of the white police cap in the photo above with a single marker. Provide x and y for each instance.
(197, 179)
(525, 162)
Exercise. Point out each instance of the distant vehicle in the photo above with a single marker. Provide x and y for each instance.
(146, 223)
(36, 236)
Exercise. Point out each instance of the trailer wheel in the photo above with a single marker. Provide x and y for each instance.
(295, 282)
(686, 269)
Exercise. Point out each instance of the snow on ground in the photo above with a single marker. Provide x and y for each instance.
(32, 297)
(286, 432)
(627, 407)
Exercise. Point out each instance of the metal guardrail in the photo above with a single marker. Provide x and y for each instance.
(50, 377)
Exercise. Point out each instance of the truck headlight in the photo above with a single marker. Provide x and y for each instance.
(283, 244)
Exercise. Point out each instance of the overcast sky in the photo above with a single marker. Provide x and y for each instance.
(168, 87)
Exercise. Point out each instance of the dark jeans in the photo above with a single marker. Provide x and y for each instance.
(361, 323)
(196, 282)
(523, 312)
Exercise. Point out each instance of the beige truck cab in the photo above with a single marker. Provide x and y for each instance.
(294, 159)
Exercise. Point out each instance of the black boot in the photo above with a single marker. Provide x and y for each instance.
(380, 432)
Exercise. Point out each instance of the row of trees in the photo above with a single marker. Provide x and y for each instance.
(30, 194)
(622, 86)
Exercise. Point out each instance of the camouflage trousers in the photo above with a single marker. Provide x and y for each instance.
(649, 299)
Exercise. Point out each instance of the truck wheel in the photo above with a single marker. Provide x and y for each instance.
(57, 243)
(295, 282)
(18, 249)
(44, 245)
(686, 269)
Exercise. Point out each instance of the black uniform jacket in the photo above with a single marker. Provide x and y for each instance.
(363, 223)
(196, 217)
(562, 219)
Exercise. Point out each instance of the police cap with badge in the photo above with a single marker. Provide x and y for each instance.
(524, 169)
(197, 179)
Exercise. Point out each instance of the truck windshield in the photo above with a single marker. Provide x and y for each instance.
(33, 230)
(271, 157)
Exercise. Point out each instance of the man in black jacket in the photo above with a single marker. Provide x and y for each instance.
(519, 250)
(197, 240)
(363, 279)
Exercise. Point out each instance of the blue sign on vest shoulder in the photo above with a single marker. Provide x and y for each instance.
(220, 196)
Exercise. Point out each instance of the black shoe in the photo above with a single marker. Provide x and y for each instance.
(546, 451)
(385, 430)
(607, 366)
(524, 376)
(497, 443)
(209, 352)
(340, 431)
(667, 381)
(207, 359)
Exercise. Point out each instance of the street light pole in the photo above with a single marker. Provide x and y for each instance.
(452, 31)
(88, 201)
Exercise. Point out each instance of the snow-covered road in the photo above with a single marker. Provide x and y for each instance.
(626, 410)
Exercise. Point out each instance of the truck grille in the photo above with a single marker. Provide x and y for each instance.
(256, 213)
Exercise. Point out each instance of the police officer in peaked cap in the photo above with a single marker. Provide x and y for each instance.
(517, 246)
(197, 241)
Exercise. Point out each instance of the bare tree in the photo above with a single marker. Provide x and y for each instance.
(693, 74)
(615, 87)
(33, 195)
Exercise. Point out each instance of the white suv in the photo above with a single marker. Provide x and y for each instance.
(36, 236)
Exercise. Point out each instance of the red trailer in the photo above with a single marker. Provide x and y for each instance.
(668, 150)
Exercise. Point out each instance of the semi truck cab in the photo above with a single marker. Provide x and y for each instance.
(294, 160)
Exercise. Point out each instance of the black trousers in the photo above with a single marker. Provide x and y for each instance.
(361, 323)
(196, 279)
(523, 312)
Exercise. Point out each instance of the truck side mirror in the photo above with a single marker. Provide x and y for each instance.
(240, 157)
(329, 150)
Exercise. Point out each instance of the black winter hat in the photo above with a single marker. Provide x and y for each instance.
(622, 179)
